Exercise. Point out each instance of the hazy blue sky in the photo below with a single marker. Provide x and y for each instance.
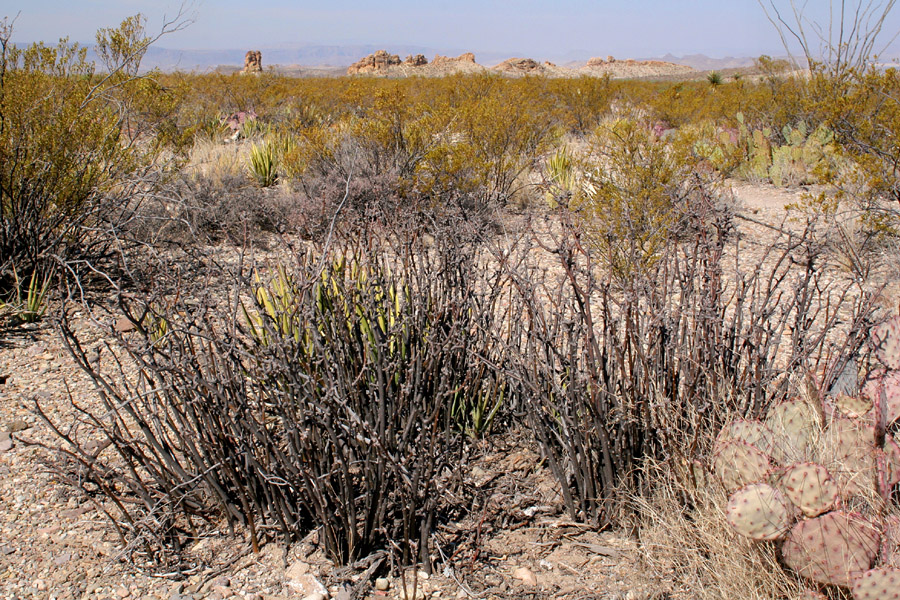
(535, 28)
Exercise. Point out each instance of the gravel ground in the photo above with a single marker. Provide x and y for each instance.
(55, 544)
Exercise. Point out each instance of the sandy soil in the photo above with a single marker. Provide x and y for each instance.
(516, 541)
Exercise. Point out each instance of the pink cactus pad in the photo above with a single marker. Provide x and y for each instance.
(738, 463)
(882, 583)
(811, 488)
(886, 342)
(749, 431)
(794, 425)
(848, 451)
(888, 383)
(835, 548)
(759, 512)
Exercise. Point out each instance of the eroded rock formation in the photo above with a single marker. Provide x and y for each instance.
(520, 65)
(418, 60)
(379, 62)
(630, 68)
(253, 62)
(468, 57)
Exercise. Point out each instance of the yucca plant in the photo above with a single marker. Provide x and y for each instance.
(263, 164)
(31, 304)
(564, 178)
(251, 128)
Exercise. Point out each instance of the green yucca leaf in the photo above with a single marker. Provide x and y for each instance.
(263, 164)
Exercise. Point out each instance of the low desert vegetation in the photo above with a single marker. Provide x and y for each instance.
(312, 319)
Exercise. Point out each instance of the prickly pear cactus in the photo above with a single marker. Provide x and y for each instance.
(886, 341)
(882, 583)
(852, 406)
(811, 488)
(738, 463)
(834, 548)
(848, 449)
(884, 386)
(760, 512)
(892, 457)
(754, 433)
(798, 471)
(794, 424)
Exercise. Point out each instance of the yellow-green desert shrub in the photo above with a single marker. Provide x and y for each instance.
(630, 198)
(69, 143)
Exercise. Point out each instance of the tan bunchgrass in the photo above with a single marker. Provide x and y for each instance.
(687, 549)
(217, 161)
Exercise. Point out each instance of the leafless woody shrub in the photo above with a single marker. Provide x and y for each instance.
(323, 398)
(612, 373)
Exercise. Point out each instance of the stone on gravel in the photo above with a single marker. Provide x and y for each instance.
(296, 570)
(411, 594)
(525, 575)
(305, 584)
(16, 426)
(382, 584)
(124, 325)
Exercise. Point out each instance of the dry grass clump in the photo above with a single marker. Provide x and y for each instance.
(688, 549)
(219, 163)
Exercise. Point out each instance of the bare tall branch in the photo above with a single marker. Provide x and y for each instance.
(851, 39)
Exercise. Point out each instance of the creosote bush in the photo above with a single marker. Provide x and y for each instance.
(77, 147)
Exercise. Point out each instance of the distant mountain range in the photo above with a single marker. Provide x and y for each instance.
(340, 56)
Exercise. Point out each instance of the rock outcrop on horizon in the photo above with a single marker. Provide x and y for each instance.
(384, 64)
(520, 65)
(418, 60)
(467, 58)
(629, 68)
(378, 63)
(253, 62)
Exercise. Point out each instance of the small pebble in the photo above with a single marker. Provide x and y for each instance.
(525, 576)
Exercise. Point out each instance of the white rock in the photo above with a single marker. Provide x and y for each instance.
(296, 570)
(306, 585)
(408, 594)
(525, 576)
